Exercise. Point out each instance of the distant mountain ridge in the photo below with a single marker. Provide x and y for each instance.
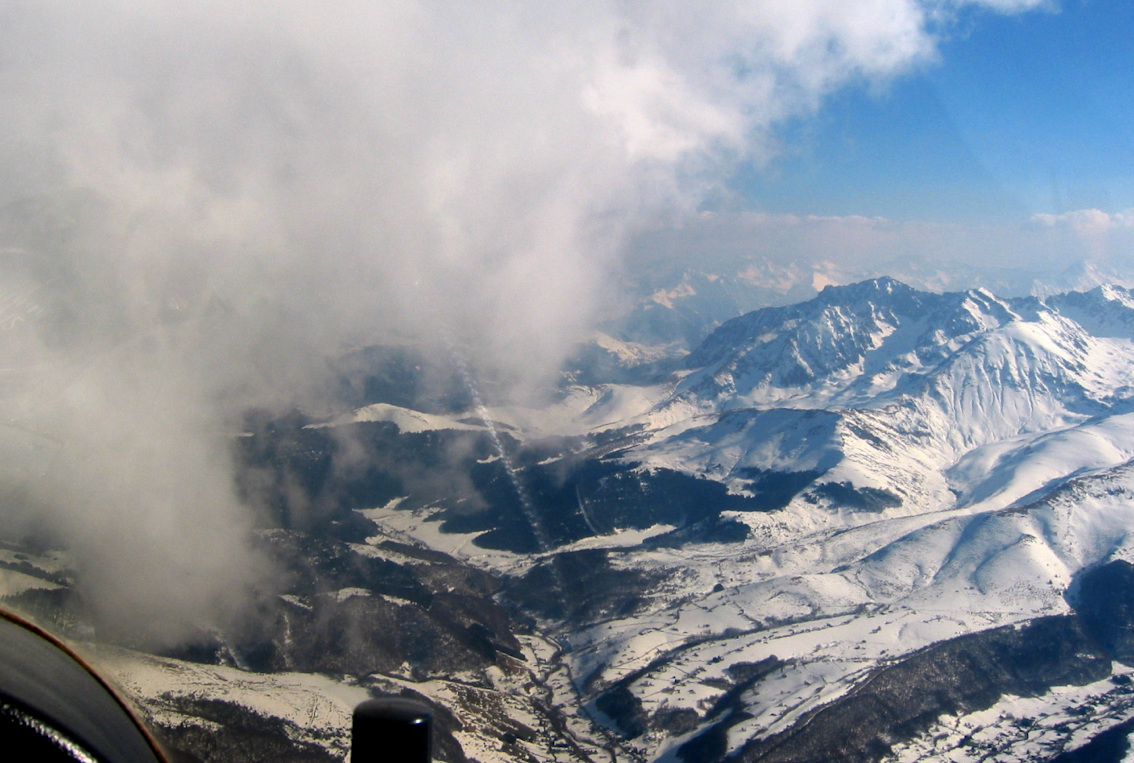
(680, 307)
(845, 336)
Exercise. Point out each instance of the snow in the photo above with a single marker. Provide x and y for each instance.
(14, 582)
(22, 571)
(631, 353)
(583, 410)
(1006, 472)
(618, 539)
(317, 709)
(1025, 728)
(407, 420)
(422, 527)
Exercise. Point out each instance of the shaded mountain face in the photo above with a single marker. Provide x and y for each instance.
(880, 522)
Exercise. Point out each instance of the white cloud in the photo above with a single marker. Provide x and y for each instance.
(1044, 245)
(1085, 220)
(1097, 234)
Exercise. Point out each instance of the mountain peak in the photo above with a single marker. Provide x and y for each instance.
(880, 338)
(871, 286)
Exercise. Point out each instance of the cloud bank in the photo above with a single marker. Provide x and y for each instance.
(200, 203)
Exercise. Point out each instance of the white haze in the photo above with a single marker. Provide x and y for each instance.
(201, 202)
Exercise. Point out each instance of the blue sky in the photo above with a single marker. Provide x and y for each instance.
(1021, 114)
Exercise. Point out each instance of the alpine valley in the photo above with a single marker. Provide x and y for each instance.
(879, 524)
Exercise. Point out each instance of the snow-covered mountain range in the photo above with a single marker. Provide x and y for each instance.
(930, 465)
(879, 522)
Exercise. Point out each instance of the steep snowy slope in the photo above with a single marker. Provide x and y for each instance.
(849, 342)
